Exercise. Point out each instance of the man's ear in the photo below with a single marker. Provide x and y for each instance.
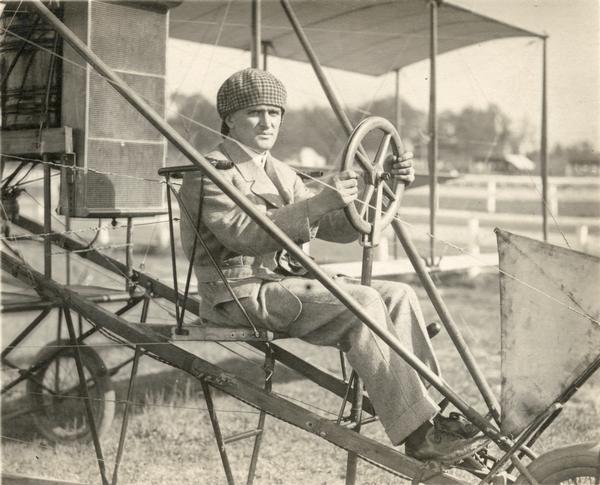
(229, 120)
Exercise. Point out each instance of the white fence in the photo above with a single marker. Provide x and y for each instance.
(525, 187)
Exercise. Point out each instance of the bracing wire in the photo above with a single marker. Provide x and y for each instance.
(133, 403)
(494, 144)
(81, 231)
(10, 22)
(208, 64)
(210, 129)
(462, 250)
(146, 403)
(447, 243)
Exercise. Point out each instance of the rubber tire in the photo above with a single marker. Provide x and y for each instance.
(569, 462)
(101, 393)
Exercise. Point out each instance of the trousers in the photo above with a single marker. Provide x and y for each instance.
(304, 308)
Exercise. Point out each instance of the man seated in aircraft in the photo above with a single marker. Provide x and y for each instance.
(273, 291)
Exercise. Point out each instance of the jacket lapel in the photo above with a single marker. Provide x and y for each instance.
(277, 178)
(260, 183)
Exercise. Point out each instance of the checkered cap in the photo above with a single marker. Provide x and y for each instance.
(250, 87)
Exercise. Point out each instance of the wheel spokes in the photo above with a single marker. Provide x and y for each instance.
(377, 215)
(365, 202)
(381, 196)
(388, 191)
(382, 150)
(364, 162)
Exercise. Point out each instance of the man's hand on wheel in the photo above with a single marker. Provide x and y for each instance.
(401, 167)
(342, 190)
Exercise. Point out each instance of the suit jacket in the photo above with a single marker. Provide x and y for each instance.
(245, 253)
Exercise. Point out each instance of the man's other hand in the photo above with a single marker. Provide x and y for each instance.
(342, 190)
(401, 167)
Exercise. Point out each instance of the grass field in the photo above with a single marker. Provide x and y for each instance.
(170, 438)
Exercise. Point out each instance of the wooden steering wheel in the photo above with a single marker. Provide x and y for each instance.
(381, 196)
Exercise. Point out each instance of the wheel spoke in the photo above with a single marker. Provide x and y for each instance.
(366, 199)
(57, 373)
(382, 150)
(388, 191)
(377, 215)
(364, 162)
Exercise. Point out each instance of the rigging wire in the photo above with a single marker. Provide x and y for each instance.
(76, 234)
(31, 181)
(20, 181)
(10, 22)
(94, 248)
(210, 129)
(462, 250)
(112, 275)
(483, 93)
(83, 230)
(82, 169)
(208, 65)
(143, 404)
(449, 244)
(549, 210)
(149, 245)
(234, 352)
(107, 333)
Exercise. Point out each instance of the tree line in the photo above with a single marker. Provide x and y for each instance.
(470, 134)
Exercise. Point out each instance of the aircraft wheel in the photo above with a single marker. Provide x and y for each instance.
(578, 464)
(54, 391)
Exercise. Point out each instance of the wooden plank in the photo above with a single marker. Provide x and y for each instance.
(31, 142)
(210, 333)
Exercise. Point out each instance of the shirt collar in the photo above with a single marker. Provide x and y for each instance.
(260, 158)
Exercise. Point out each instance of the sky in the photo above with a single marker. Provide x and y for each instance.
(505, 72)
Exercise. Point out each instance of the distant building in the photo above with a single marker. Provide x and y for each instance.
(309, 161)
(309, 157)
(583, 164)
(508, 163)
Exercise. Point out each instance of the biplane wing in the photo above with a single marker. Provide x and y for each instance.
(366, 36)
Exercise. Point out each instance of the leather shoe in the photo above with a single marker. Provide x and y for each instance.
(435, 443)
(457, 425)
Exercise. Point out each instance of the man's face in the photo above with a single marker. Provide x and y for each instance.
(256, 127)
